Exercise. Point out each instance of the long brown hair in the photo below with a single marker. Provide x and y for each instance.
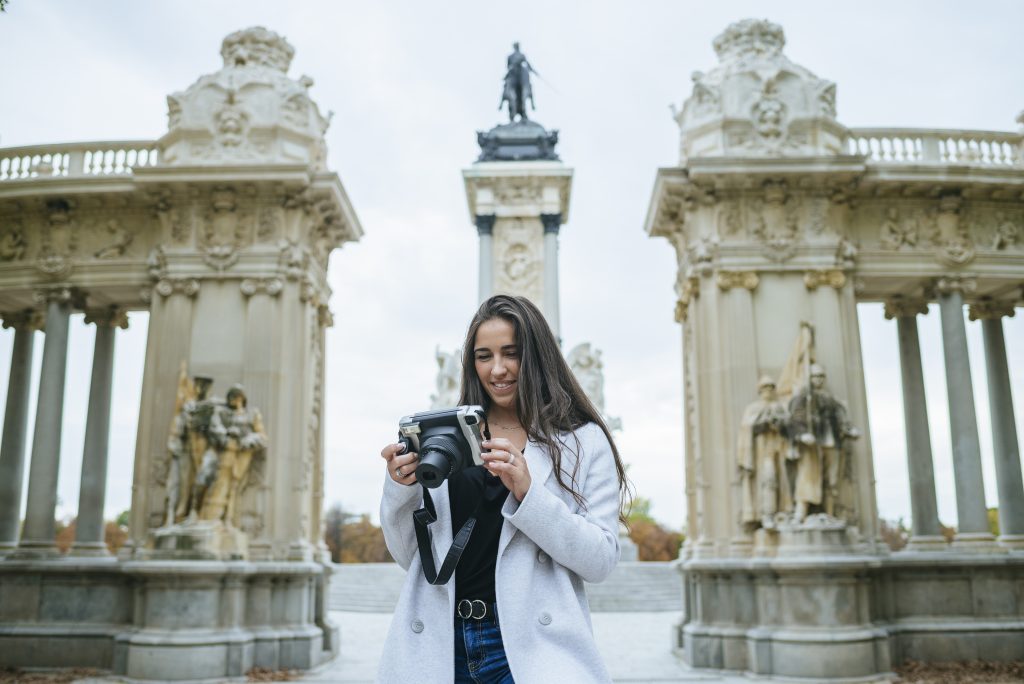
(549, 400)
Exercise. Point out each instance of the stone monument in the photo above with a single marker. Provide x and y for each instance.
(783, 220)
(518, 193)
(222, 230)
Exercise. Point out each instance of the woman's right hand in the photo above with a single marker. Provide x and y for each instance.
(401, 467)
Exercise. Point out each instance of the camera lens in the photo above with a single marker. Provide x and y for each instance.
(438, 456)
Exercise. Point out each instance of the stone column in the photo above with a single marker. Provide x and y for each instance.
(552, 224)
(12, 449)
(485, 229)
(973, 530)
(92, 493)
(925, 532)
(37, 539)
(1005, 446)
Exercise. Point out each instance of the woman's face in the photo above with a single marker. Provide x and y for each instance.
(496, 357)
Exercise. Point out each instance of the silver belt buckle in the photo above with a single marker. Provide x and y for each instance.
(468, 609)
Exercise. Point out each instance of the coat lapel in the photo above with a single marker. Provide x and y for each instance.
(539, 463)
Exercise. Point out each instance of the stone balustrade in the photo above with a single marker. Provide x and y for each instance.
(79, 159)
(937, 146)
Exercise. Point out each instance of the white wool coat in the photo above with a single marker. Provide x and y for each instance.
(549, 545)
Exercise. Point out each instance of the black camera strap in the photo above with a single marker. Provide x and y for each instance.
(427, 516)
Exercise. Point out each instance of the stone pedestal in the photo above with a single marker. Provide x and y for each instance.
(199, 540)
(520, 203)
(164, 620)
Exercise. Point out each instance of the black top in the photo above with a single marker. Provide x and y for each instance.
(474, 575)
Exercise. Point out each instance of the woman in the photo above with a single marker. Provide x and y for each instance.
(547, 501)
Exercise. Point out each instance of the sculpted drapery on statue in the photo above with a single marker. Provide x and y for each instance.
(517, 89)
(820, 432)
(761, 454)
(212, 445)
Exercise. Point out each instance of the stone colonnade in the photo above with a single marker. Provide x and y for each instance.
(973, 528)
(37, 538)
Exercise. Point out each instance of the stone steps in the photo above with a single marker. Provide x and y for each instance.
(632, 587)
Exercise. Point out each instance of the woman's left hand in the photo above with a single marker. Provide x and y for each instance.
(507, 462)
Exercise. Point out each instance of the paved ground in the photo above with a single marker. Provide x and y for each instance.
(635, 647)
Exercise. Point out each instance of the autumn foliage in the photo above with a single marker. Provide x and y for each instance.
(353, 538)
(114, 535)
(654, 541)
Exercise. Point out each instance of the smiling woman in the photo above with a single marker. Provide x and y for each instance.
(528, 553)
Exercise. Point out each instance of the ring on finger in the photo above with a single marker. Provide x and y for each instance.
(511, 458)
(398, 472)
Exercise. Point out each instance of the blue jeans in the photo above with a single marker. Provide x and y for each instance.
(479, 653)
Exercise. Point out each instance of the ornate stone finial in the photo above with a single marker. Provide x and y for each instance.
(249, 111)
(749, 38)
(989, 309)
(257, 46)
(904, 307)
(757, 102)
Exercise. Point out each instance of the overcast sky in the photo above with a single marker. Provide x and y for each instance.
(410, 83)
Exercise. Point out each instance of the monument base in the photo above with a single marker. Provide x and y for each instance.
(849, 616)
(519, 141)
(197, 540)
(165, 620)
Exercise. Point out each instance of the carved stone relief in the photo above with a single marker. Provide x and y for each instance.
(518, 249)
(727, 280)
(12, 241)
(686, 289)
(269, 286)
(1006, 231)
(833, 278)
(224, 230)
(775, 221)
(118, 241)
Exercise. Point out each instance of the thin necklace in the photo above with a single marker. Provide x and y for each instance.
(507, 427)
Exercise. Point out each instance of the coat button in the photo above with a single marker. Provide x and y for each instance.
(542, 557)
(417, 626)
(544, 619)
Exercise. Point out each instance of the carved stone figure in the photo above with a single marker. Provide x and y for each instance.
(762, 448)
(517, 89)
(819, 432)
(187, 443)
(894, 233)
(588, 368)
(1006, 233)
(244, 439)
(12, 244)
(120, 240)
(449, 379)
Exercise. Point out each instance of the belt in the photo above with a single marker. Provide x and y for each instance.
(476, 610)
